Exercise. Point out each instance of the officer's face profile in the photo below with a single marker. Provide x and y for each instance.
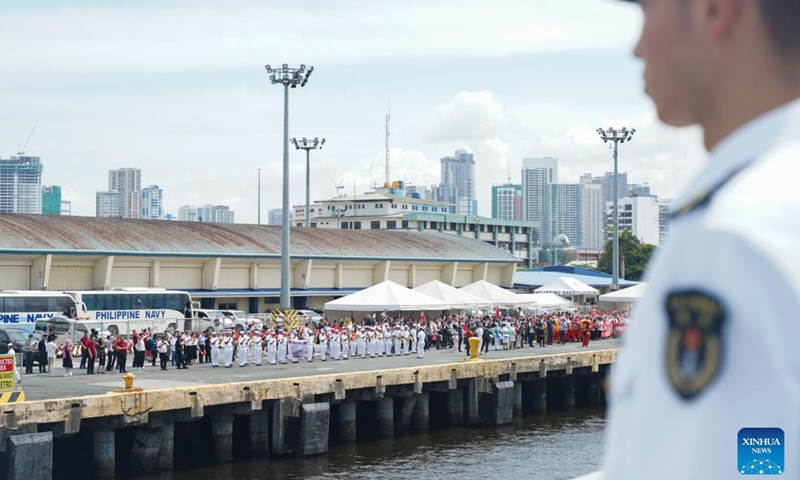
(667, 46)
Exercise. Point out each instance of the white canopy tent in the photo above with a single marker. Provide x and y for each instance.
(545, 300)
(493, 294)
(386, 295)
(567, 286)
(626, 295)
(456, 298)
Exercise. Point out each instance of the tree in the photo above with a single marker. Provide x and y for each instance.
(633, 256)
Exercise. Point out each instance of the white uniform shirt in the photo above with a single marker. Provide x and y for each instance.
(672, 416)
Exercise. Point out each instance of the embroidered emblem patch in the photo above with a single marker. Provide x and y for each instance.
(694, 343)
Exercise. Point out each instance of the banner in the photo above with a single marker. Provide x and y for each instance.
(7, 372)
(297, 348)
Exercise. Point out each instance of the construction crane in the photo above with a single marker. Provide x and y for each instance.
(21, 148)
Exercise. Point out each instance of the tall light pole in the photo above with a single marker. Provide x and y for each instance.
(308, 145)
(617, 136)
(259, 196)
(289, 78)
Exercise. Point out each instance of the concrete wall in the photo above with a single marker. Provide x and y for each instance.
(296, 416)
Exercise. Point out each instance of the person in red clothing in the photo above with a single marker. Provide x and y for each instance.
(586, 328)
(84, 349)
(121, 350)
(92, 349)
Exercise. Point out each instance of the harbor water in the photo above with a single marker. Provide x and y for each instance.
(559, 445)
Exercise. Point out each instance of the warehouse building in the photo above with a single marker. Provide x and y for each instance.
(233, 266)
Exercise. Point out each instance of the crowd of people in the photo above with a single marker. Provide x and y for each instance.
(377, 335)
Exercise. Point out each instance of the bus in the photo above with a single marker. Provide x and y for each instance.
(23, 308)
(126, 309)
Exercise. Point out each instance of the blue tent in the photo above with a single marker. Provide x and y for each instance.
(536, 277)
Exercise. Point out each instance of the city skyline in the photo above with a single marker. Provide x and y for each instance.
(198, 108)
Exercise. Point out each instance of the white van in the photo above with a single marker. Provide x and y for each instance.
(63, 327)
(219, 319)
(240, 319)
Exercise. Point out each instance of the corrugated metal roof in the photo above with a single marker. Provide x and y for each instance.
(68, 234)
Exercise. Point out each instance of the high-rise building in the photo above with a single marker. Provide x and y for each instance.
(607, 181)
(152, 203)
(639, 190)
(577, 212)
(187, 213)
(639, 214)
(537, 176)
(215, 214)
(207, 214)
(420, 191)
(564, 211)
(664, 215)
(128, 183)
(275, 216)
(458, 183)
(66, 207)
(107, 204)
(591, 216)
(51, 200)
(21, 185)
(507, 202)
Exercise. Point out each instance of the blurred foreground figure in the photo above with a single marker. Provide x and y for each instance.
(708, 384)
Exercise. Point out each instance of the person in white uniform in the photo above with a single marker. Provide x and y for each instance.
(323, 346)
(227, 345)
(387, 341)
(335, 345)
(256, 343)
(362, 343)
(283, 349)
(421, 343)
(214, 350)
(272, 347)
(244, 347)
(309, 339)
(710, 362)
(345, 344)
(396, 341)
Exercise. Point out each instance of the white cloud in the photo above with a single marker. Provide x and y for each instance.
(470, 116)
(208, 36)
(178, 90)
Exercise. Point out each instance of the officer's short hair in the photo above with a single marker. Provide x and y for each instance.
(781, 17)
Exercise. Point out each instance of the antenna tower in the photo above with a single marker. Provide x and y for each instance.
(388, 117)
(508, 163)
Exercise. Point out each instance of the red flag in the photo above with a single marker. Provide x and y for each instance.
(497, 312)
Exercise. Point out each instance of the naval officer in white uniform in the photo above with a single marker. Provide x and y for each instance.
(713, 346)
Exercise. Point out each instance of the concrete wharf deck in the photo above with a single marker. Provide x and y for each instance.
(297, 409)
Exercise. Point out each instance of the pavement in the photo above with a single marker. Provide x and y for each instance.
(45, 387)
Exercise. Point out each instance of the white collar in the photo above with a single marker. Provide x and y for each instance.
(744, 145)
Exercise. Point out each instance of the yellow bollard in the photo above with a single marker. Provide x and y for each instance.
(129, 378)
(473, 347)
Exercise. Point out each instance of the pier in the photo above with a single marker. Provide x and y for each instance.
(286, 410)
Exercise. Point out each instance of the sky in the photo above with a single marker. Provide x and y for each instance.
(179, 89)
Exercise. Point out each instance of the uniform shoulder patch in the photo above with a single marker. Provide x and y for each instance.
(694, 342)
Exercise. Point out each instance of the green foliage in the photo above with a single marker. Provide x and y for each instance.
(633, 256)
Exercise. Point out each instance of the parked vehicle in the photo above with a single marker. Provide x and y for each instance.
(62, 327)
(240, 320)
(219, 320)
(18, 337)
(22, 308)
(309, 318)
(126, 309)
